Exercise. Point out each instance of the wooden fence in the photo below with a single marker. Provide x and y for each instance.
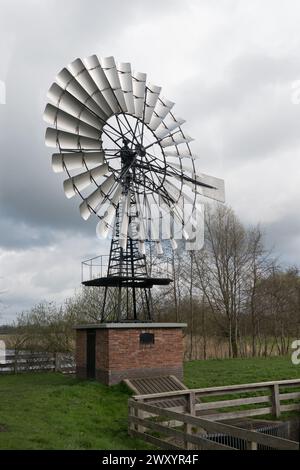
(27, 361)
(185, 423)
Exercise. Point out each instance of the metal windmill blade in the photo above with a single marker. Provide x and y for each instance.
(128, 157)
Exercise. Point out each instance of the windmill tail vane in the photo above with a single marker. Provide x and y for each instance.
(127, 156)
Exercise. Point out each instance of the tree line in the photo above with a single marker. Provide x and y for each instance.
(234, 295)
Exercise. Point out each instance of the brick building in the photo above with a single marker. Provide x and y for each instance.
(113, 351)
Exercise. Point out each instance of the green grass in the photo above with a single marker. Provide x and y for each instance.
(53, 411)
(216, 372)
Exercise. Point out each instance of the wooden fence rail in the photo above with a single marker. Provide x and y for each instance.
(185, 425)
(277, 392)
(36, 362)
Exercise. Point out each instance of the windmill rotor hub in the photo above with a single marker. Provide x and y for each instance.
(141, 151)
(128, 156)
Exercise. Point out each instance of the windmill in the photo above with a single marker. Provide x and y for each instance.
(126, 154)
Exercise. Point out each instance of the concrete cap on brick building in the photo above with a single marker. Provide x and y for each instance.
(129, 325)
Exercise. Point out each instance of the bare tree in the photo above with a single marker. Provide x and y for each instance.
(259, 266)
(220, 270)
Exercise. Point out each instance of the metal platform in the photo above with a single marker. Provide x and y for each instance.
(96, 269)
(124, 281)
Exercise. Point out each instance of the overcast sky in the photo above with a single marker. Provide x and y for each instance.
(229, 65)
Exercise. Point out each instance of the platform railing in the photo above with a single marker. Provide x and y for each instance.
(97, 267)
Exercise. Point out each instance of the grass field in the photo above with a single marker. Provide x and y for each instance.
(216, 372)
(52, 411)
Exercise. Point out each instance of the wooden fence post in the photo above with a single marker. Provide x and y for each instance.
(56, 362)
(275, 400)
(191, 402)
(16, 362)
(251, 445)
(130, 413)
(140, 414)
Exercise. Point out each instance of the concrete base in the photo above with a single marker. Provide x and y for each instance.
(129, 350)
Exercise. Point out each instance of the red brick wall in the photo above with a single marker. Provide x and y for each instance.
(120, 355)
(126, 352)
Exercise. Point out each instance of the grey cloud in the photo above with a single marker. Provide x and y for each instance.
(18, 235)
(232, 105)
(285, 233)
(243, 80)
